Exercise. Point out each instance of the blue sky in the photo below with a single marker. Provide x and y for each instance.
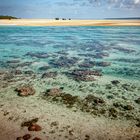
(76, 9)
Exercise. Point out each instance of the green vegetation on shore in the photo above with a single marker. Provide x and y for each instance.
(7, 17)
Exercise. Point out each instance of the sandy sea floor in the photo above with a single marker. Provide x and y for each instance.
(57, 121)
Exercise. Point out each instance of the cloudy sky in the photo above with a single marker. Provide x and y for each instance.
(79, 9)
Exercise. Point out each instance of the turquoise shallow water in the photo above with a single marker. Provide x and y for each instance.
(119, 46)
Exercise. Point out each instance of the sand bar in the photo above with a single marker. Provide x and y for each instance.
(51, 22)
(67, 117)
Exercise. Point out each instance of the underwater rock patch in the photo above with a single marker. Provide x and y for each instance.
(86, 72)
(36, 138)
(17, 72)
(137, 100)
(43, 68)
(54, 92)
(94, 46)
(97, 55)
(29, 72)
(24, 64)
(2, 72)
(93, 105)
(101, 55)
(84, 78)
(84, 75)
(12, 64)
(88, 55)
(34, 127)
(19, 138)
(125, 50)
(26, 137)
(117, 105)
(128, 107)
(113, 112)
(138, 124)
(7, 76)
(53, 124)
(127, 87)
(125, 107)
(49, 75)
(94, 100)
(30, 122)
(62, 53)
(87, 64)
(69, 100)
(115, 82)
(126, 60)
(13, 61)
(25, 90)
(38, 54)
(64, 62)
(103, 64)
(127, 71)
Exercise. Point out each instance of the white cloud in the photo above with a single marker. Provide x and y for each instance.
(114, 3)
(137, 1)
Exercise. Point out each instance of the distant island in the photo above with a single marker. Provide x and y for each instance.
(7, 17)
(128, 18)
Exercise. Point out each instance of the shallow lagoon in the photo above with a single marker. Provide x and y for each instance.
(121, 45)
(95, 70)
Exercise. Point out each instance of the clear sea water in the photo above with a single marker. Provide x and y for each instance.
(92, 70)
(121, 44)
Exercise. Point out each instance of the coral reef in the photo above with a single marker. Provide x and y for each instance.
(29, 123)
(49, 75)
(38, 54)
(25, 90)
(84, 75)
(34, 127)
(64, 61)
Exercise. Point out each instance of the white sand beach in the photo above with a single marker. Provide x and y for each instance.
(51, 22)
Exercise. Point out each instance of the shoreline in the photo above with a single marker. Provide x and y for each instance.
(50, 22)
